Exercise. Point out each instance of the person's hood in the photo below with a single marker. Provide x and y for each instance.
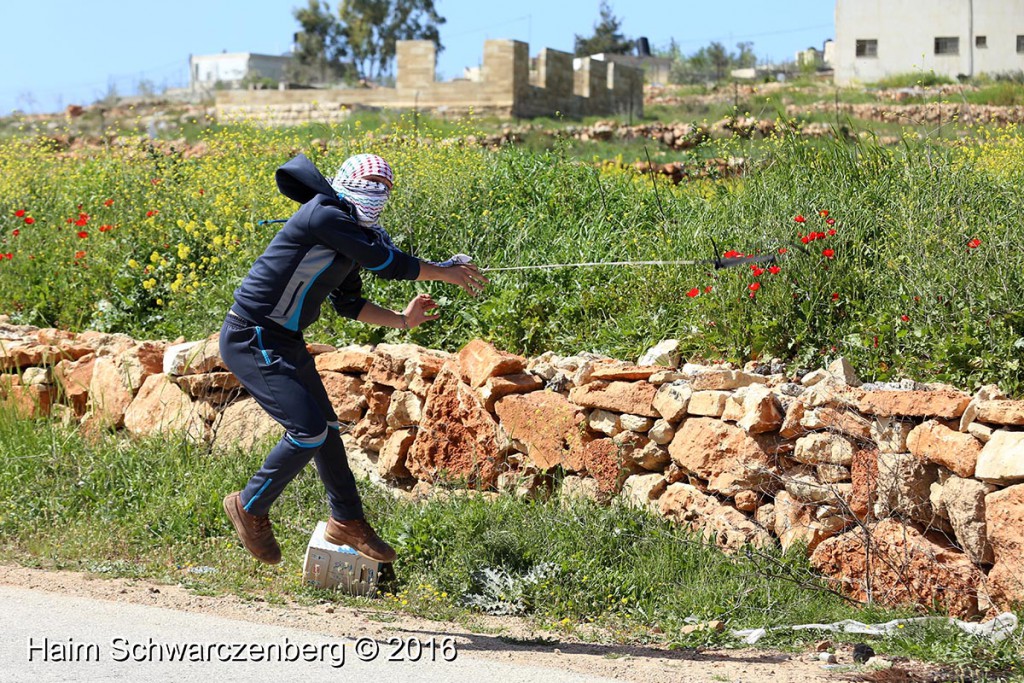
(299, 179)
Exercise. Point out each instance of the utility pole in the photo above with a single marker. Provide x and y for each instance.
(970, 38)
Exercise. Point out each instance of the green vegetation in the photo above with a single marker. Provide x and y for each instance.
(358, 39)
(1000, 94)
(607, 36)
(914, 78)
(152, 509)
(921, 278)
(909, 265)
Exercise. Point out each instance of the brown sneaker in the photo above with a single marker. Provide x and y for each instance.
(360, 536)
(255, 532)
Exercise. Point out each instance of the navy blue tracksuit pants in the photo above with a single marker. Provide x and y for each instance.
(277, 370)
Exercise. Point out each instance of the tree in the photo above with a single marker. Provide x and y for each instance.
(710, 63)
(746, 59)
(320, 45)
(720, 59)
(607, 37)
(372, 27)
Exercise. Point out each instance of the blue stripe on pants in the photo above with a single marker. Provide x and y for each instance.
(276, 369)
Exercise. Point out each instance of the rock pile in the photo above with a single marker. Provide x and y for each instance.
(933, 113)
(899, 492)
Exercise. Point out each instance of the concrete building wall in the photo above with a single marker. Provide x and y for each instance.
(507, 86)
(417, 64)
(905, 33)
(828, 55)
(554, 73)
(232, 67)
(626, 87)
(205, 70)
(268, 66)
(655, 69)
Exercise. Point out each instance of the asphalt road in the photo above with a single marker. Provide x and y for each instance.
(52, 637)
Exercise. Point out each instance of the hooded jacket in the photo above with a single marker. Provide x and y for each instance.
(317, 254)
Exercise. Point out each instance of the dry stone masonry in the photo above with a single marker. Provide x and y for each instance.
(899, 493)
(508, 83)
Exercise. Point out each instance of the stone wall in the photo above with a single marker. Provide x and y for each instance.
(508, 86)
(901, 492)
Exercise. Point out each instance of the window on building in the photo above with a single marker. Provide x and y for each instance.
(947, 46)
(1020, 45)
(981, 41)
(867, 48)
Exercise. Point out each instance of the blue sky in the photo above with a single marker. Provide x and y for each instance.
(59, 52)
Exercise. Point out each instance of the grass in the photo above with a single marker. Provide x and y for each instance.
(1002, 94)
(151, 509)
(910, 79)
(140, 239)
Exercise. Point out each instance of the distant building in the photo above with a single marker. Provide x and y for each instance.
(812, 58)
(828, 53)
(879, 38)
(656, 69)
(231, 68)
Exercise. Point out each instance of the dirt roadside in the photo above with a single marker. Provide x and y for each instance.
(505, 639)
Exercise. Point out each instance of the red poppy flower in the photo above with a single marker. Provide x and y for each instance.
(835, 296)
(201, 192)
(106, 228)
(10, 256)
(708, 289)
(79, 254)
(19, 213)
(832, 232)
(2, 257)
(917, 299)
(15, 232)
(805, 239)
(71, 220)
(830, 221)
(800, 219)
(754, 286)
(758, 272)
(783, 250)
(82, 234)
(732, 253)
(693, 292)
(108, 203)
(81, 222)
(876, 341)
(774, 270)
(29, 220)
(828, 253)
(905, 318)
(823, 213)
(821, 235)
(974, 244)
(150, 214)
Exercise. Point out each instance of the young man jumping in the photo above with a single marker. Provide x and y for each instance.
(317, 255)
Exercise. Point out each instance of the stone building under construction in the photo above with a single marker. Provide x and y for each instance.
(509, 83)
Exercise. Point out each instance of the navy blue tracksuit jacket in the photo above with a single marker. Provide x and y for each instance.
(317, 255)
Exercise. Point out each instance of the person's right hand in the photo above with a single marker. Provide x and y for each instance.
(467, 276)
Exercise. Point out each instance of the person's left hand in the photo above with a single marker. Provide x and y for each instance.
(419, 311)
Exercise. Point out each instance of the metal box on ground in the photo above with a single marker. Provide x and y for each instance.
(339, 566)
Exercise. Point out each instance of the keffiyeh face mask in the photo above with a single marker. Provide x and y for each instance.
(367, 196)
